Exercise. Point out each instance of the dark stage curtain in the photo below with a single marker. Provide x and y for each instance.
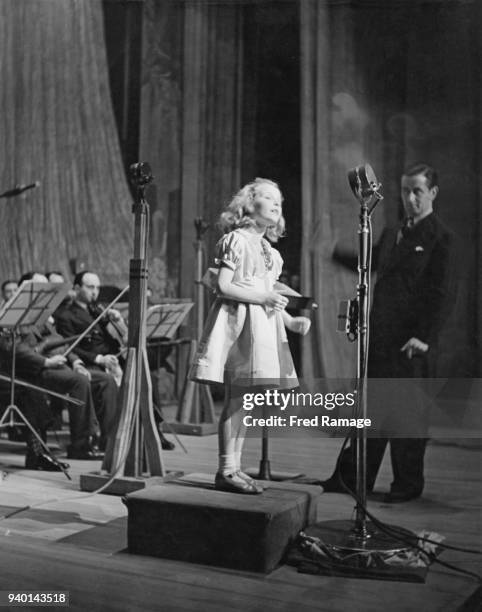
(389, 84)
(190, 128)
(57, 127)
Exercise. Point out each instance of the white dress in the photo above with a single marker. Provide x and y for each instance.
(245, 343)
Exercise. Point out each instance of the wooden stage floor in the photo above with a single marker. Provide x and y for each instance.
(65, 539)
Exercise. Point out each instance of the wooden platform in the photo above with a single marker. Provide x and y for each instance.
(64, 539)
(189, 521)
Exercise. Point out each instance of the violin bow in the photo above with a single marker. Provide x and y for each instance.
(23, 383)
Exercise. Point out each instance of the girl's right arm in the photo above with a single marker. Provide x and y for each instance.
(226, 288)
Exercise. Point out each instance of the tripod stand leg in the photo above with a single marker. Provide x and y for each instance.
(153, 442)
(12, 409)
(118, 446)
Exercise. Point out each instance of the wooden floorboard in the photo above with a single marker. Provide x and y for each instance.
(65, 539)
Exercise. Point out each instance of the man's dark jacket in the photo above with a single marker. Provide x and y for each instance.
(74, 320)
(413, 295)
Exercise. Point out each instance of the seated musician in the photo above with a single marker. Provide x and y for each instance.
(58, 277)
(55, 277)
(8, 289)
(100, 349)
(39, 364)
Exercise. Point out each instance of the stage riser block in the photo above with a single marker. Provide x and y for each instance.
(93, 481)
(199, 525)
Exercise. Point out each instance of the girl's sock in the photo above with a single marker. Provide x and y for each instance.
(227, 464)
(237, 460)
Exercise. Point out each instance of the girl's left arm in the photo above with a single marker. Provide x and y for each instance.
(299, 325)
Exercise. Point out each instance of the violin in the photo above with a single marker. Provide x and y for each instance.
(114, 325)
(116, 328)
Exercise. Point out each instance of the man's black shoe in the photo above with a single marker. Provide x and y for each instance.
(397, 497)
(47, 463)
(166, 444)
(334, 485)
(93, 443)
(87, 453)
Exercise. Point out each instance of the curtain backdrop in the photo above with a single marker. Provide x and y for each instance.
(190, 127)
(57, 127)
(388, 84)
(338, 133)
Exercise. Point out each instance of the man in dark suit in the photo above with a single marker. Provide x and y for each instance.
(413, 295)
(99, 349)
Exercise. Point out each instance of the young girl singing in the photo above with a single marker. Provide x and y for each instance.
(244, 344)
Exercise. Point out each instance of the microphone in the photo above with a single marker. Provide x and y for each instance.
(364, 185)
(363, 182)
(18, 189)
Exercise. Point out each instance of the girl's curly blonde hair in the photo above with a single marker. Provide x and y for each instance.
(239, 212)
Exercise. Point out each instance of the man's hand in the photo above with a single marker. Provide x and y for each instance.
(81, 369)
(115, 315)
(108, 361)
(414, 347)
(56, 361)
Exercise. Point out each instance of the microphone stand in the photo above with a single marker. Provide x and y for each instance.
(361, 536)
(363, 293)
(195, 414)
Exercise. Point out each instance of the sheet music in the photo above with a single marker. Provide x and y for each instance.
(162, 320)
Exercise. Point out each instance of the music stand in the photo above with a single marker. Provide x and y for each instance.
(32, 304)
(163, 320)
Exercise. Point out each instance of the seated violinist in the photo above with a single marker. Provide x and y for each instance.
(100, 348)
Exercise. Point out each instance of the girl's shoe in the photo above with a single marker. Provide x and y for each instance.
(233, 483)
(250, 480)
